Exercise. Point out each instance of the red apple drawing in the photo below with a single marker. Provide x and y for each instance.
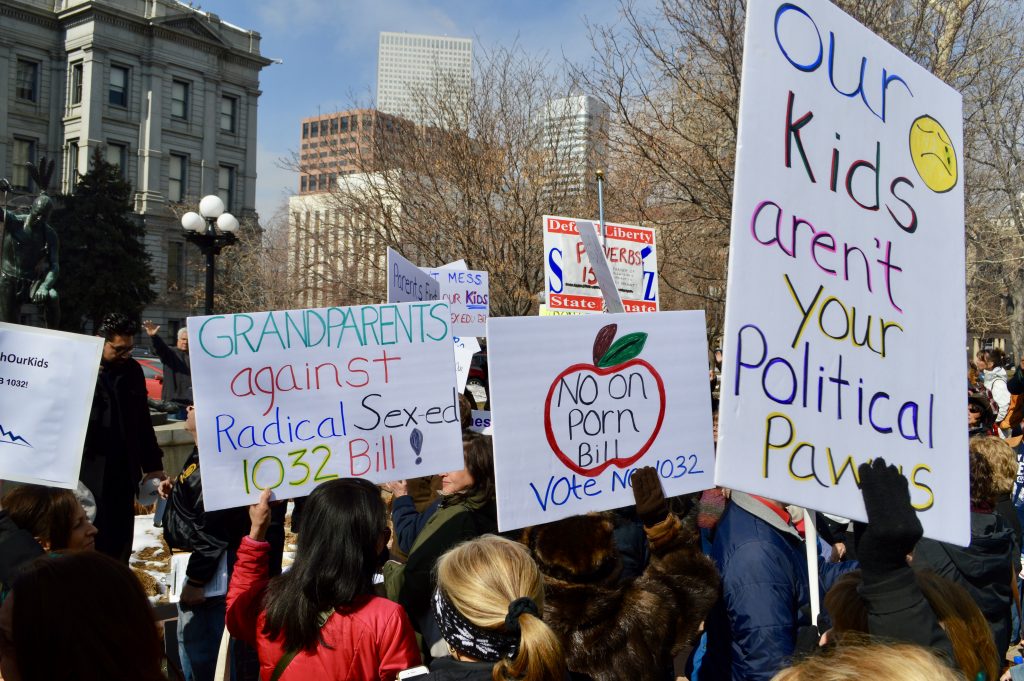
(606, 413)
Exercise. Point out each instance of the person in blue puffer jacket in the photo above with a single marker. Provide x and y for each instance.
(752, 630)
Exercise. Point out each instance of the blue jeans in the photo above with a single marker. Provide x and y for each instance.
(200, 628)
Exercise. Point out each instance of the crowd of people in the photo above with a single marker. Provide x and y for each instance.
(412, 580)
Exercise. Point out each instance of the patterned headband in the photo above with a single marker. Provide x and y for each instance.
(486, 645)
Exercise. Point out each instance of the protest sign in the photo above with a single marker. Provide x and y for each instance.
(570, 277)
(408, 283)
(844, 330)
(288, 399)
(465, 348)
(481, 422)
(466, 292)
(585, 400)
(47, 380)
(544, 311)
(600, 265)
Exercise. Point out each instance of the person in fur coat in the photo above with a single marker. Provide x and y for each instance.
(613, 628)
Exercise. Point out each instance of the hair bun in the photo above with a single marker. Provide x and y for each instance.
(518, 607)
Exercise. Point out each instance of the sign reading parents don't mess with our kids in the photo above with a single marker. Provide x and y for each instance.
(844, 332)
(289, 399)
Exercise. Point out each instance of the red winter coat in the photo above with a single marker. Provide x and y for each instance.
(369, 639)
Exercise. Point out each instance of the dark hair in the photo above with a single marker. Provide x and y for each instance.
(335, 560)
(85, 617)
(47, 512)
(117, 324)
(994, 355)
(466, 407)
(479, 458)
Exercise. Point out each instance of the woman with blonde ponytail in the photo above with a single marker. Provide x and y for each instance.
(487, 605)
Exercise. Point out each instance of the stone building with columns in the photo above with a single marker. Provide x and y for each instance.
(167, 91)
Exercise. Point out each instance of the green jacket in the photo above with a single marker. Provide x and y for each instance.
(413, 584)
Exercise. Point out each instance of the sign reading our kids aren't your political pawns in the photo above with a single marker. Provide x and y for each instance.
(844, 332)
(583, 401)
(289, 399)
(47, 379)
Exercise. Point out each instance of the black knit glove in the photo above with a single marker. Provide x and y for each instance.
(651, 506)
(893, 528)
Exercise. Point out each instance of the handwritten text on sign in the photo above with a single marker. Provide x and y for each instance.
(466, 292)
(289, 399)
(608, 394)
(47, 380)
(408, 283)
(844, 331)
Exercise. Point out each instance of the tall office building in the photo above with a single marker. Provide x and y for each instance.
(409, 65)
(575, 130)
(343, 143)
(166, 91)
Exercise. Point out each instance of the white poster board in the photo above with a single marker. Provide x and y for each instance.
(585, 400)
(47, 380)
(288, 399)
(408, 283)
(466, 292)
(465, 348)
(844, 330)
(481, 422)
(571, 281)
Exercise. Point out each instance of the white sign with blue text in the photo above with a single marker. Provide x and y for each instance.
(408, 283)
(466, 292)
(47, 380)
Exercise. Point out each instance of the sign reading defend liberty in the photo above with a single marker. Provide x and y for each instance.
(844, 334)
(289, 399)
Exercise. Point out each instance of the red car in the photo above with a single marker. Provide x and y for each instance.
(154, 372)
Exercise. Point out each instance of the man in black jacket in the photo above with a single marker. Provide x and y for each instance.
(120, 445)
(177, 377)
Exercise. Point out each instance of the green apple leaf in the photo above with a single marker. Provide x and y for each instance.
(624, 349)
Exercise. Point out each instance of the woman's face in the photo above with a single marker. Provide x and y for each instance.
(83, 533)
(973, 415)
(456, 481)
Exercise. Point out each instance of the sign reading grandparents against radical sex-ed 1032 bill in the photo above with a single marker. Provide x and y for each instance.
(47, 380)
(844, 330)
(289, 399)
(583, 401)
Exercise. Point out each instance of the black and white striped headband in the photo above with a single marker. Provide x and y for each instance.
(486, 645)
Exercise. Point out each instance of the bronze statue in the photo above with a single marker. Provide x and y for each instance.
(29, 252)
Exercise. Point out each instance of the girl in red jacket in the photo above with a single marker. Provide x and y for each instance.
(321, 619)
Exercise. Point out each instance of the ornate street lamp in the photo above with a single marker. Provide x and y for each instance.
(211, 229)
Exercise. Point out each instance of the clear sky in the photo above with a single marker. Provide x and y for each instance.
(329, 54)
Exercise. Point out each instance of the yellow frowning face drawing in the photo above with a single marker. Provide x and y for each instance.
(933, 154)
